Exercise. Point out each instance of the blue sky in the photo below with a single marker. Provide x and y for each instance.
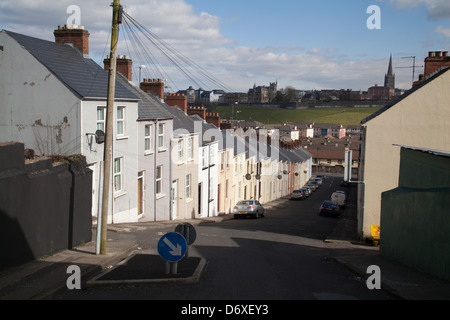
(325, 24)
(306, 44)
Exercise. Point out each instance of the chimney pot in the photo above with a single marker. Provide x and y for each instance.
(79, 38)
(438, 53)
(445, 54)
(431, 54)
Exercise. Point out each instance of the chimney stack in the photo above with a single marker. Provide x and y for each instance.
(75, 35)
(177, 100)
(124, 66)
(436, 61)
(153, 85)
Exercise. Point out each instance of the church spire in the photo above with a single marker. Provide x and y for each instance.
(389, 79)
(390, 72)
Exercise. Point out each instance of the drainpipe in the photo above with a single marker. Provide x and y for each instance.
(361, 236)
(155, 153)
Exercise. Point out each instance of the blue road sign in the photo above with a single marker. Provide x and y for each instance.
(172, 247)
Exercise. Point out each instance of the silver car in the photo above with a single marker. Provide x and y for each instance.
(248, 208)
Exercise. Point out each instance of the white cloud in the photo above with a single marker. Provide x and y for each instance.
(442, 30)
(198, 36)
(436, 9)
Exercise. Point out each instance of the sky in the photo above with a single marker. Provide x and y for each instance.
(321, 44)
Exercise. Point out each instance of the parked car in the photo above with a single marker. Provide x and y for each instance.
(340, 198)
(321, 176)
(298, 194)
(248, 208)
(308, 190)
(313, 187)
(318, 180)
(315, 183)
(329, 208)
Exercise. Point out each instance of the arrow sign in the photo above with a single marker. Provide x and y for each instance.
(172, 247)
(176, 250)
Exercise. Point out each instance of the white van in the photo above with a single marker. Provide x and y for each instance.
(340, 198)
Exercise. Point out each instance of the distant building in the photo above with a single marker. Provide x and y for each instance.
(263, 94)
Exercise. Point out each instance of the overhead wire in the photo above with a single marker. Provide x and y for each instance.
(191, 70)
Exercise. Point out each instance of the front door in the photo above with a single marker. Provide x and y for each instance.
(174, 199)
(141, 193)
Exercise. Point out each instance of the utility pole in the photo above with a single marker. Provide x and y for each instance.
(109, 134)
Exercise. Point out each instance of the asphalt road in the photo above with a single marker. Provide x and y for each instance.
(279, 257)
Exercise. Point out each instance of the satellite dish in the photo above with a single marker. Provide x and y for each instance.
(248, 176)
(99, 137)
(258, 177)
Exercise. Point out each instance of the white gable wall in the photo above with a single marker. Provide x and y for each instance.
(47, 123)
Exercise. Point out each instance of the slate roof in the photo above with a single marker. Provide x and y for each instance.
(83, 76)
(150, 107)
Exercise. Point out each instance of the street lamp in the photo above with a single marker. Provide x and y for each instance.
(142, 66)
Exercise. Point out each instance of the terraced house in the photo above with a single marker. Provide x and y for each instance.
(167, 164)
(54, 100)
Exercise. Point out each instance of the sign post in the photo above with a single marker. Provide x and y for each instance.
(189, 233)
(172, 247)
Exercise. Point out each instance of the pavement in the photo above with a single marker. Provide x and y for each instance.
(44, 279)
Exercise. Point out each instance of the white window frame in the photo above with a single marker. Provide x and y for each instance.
(190, 146)
(101, 123)
(180, 150)
(148, 147)
(188, 187)
(121, 122)
(159, 180)
(118, 174)
(161, 135)
(204, 158)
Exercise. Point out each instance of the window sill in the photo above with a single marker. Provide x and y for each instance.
(119, 194)
(160, 196)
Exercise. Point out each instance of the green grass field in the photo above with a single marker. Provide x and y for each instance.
(344, 116)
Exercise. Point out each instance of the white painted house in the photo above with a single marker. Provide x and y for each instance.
(53, 99)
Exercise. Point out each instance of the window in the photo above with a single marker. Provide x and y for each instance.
(161, 135)
(120, 121)
(148, 138)
(189, 148)
(118, 174)
(101, 116)
(180, 150)
(188, 186)
(159, 180)
(222, 162)
(204, 159)
(211, 156)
